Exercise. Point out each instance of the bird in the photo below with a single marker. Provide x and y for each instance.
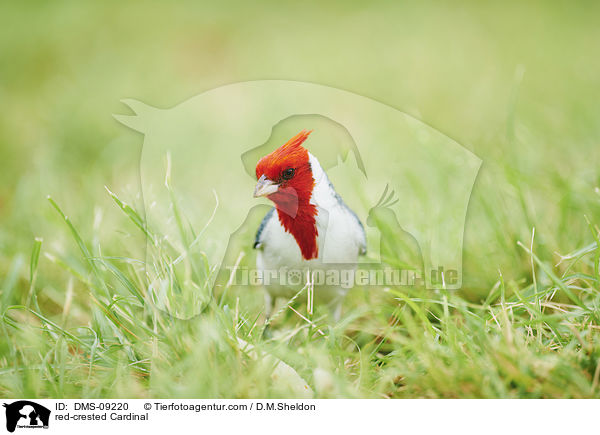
(310, 228)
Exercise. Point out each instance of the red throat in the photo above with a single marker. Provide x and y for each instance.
(302, 226)
(292, 200)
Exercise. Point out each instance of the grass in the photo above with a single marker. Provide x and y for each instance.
(83, 277)
(537, 340)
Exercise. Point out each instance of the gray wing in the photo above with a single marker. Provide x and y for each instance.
(258, 239)
(362, 249)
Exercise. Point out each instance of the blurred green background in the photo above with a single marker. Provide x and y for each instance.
(517, 83)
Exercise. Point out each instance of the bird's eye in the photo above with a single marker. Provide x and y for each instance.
(288, 174)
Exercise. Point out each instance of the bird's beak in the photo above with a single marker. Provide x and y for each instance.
(264, 187)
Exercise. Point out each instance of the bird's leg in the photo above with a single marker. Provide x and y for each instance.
(268, 306)
(336, 304)
(266, 334)
(337, 310)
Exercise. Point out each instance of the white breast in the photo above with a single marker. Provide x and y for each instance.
(341, 236)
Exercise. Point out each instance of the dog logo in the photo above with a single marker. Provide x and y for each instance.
(26, 414)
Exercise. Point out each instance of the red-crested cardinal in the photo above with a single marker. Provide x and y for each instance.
(310, 227)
